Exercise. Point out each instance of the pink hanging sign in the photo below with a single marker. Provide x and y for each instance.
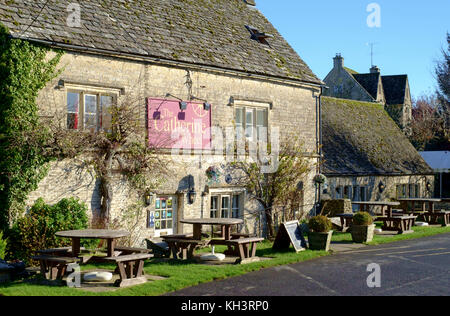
(171, 127)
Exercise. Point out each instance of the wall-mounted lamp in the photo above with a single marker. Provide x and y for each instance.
(149, 196)
(429, 186)
(206, 106)
(183, 105)
(382, 187)
(191, 195)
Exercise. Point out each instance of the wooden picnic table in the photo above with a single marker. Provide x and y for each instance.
(225, 223)
(364, 206)
(109, 235)
(422, 201)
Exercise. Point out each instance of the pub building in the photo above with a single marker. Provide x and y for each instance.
(194, 66)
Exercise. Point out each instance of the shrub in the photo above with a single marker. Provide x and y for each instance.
(320, 224)
(362, 219)
(36, 230)
(3, 243)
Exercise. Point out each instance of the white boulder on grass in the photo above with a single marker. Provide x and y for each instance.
(213, 256)
(98, 276)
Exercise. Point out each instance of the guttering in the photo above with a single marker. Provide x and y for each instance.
(168, 62)
(360, 175)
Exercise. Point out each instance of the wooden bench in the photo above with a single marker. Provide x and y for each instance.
(183, 248)
(159, 250)
(55, 266)
(400, 224)
(131, 250)
(439, 217)
(131, 268)
(346, 221)
(63, 251)
(241, 235)
(244, 248)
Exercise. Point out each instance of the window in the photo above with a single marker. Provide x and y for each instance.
(339, 192)
(164, 213)
(359, 194)
(408, 190)
(89, 111)
(348, 192)
(250, 121)
(228, 204)
(402, 191)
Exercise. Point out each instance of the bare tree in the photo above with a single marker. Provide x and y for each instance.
(427, 126)
(280, 188)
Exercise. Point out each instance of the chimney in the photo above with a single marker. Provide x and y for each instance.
(338, 61)
(375, 70)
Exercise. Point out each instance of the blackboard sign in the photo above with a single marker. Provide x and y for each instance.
(290, 233)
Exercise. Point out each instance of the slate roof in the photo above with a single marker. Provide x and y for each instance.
(202, 32)
(360, 138)
(394, 89)
(369, 82)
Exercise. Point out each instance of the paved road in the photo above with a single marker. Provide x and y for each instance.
(414, 267)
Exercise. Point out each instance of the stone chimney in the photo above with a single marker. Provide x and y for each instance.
(338, 61)
(375, 70)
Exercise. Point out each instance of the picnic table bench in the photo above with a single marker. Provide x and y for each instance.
(63, 251)
(183, 248)
(131, 268)
(433, 218)
(346, 221)
(131, 250)
(55, 266)
(244, 248)
(401, 224)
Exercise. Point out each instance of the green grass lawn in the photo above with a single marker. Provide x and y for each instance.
(185, 274)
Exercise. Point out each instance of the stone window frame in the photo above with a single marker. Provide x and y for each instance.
(84, 90)
(231, 211)
(254, 106)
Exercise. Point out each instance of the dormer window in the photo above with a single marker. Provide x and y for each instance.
(258, 36)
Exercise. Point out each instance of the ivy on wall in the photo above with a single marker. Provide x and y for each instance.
(24, 71)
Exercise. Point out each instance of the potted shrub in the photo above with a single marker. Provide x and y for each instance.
(319, 235)
(362, 227)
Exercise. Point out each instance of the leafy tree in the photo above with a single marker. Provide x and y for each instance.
(36, 230)
(24, 71)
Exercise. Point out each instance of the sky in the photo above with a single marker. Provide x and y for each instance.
(407, 38)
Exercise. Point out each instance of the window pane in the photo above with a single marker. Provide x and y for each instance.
(90, 112)
(214, 206)
(249, 124)
(105, 104)
(73, 104)
(261, 118)
(225, 207)
(239, 122)
(235, 206)
(90, 104)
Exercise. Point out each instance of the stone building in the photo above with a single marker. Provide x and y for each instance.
(213, 63)
(391, 91)
(366, 155)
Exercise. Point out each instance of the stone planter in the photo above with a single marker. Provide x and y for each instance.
(362, 234)
(319, 241)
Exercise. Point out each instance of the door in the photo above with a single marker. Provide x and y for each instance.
(165, 215)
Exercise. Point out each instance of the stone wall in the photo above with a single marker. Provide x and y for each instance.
(293, 110)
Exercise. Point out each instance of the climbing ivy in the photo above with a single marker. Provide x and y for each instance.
(24, 70)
